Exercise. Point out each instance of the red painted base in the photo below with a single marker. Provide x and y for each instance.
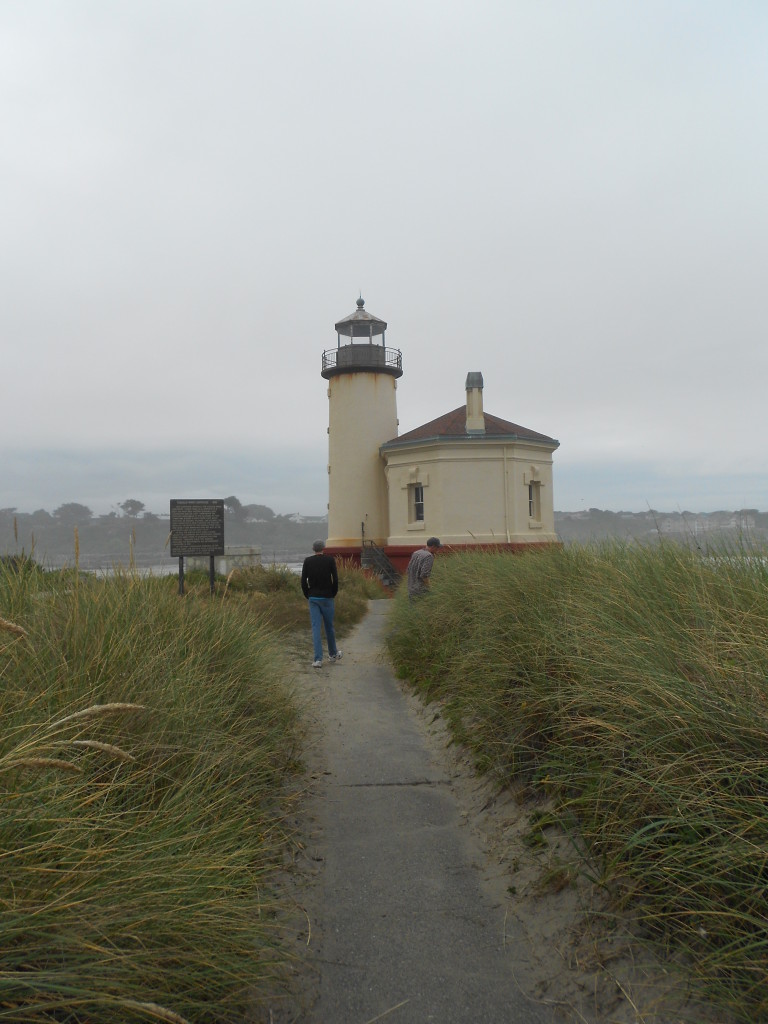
(400, 555)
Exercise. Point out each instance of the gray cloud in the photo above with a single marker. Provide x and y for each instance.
(569, 199)
(287, 481)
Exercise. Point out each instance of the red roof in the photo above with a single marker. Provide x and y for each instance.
(454, 424)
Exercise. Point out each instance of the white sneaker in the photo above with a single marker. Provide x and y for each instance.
(335, 657)
(317, 664)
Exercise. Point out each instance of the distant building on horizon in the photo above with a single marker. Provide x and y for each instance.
(470, 478)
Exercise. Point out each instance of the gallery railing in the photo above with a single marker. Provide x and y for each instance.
(349, 358)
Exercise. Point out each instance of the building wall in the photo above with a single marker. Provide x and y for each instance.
(362, 415)
(476, 491)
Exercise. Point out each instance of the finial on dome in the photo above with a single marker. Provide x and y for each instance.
(360, 301)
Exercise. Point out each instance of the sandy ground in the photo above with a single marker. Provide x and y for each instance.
(583, 964)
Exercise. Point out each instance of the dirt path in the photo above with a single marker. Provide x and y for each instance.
(421, 899)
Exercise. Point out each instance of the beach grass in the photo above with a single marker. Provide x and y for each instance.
(150, 757)
(628, 687)
(274, 592)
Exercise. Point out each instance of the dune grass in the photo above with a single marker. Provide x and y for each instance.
(149, 757)
(629, 685)
(273, 592)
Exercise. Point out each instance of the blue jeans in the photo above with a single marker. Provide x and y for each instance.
(321, 614)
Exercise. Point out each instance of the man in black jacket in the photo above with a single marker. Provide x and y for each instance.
(320, 584)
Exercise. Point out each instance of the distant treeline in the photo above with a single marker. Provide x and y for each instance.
(700, 528)
(135, 535)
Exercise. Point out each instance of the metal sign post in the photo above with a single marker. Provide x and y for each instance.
(197, 528)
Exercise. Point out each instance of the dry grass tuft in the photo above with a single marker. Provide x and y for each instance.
(11, 627)
(105, 748)
(39, 762)
(98, 709)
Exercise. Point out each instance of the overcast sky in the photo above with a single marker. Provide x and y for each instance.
(569, 196)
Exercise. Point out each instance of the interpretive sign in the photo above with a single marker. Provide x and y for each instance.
(197, 526)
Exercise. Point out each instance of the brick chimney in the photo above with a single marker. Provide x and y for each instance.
(475, 417)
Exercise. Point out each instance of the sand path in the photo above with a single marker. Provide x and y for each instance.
(419, 900)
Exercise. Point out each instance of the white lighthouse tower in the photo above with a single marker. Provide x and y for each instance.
(362, 415)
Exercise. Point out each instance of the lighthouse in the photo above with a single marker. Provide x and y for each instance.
(362, 376)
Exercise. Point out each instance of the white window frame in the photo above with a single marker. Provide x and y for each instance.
(415, 503)
(534, 501)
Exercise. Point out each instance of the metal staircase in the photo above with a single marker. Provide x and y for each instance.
(374, 558)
